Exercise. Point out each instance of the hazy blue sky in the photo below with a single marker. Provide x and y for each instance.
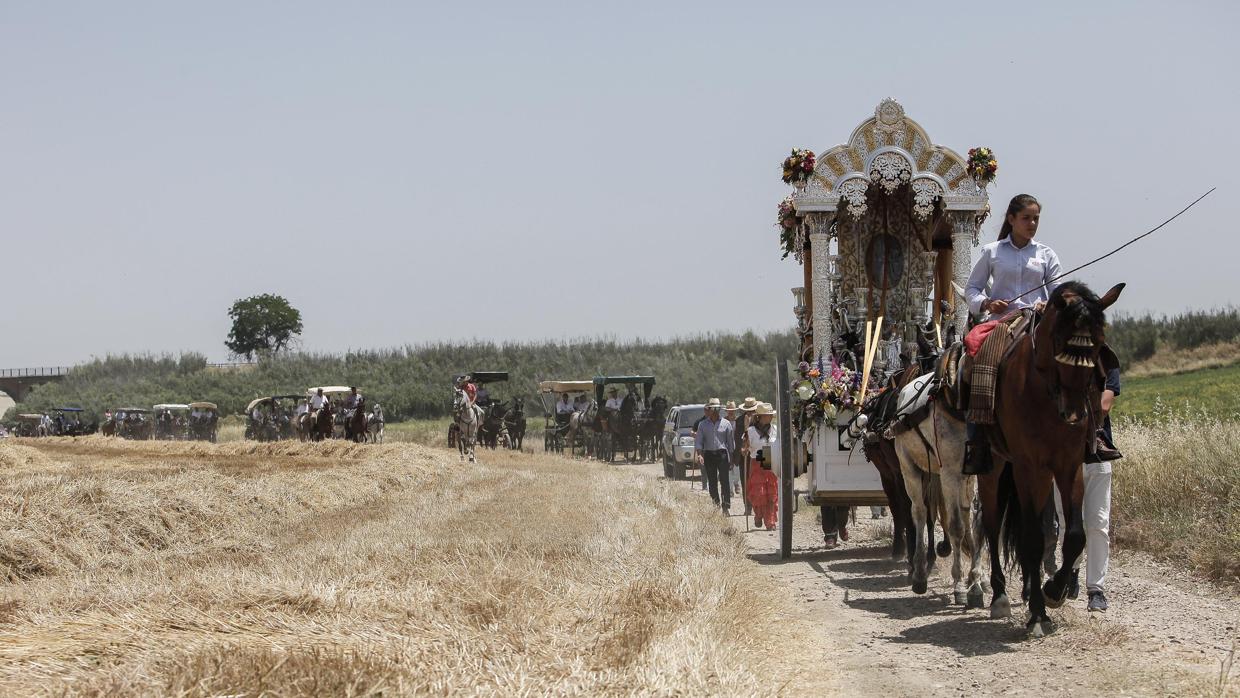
(409, 172)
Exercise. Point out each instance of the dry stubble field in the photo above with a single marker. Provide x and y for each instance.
(312, 569)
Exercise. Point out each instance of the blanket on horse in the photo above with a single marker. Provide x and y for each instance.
(988, 343)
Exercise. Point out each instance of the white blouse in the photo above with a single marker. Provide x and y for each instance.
(757, 442)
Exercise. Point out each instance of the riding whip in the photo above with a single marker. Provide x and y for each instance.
(1117, 249)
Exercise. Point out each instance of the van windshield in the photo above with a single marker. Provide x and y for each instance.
(686, 417)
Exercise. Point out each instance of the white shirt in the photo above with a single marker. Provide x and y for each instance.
(303, 408)
(758, 443)
(256, 415)
(563, 407)
(318, 401)
(613, 403)
(1003, 271)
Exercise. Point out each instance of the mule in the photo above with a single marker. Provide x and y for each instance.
(1047, 407)
(932, 464)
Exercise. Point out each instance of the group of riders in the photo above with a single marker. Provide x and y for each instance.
(314, 418)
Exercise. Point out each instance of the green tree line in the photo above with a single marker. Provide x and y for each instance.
(415, 382)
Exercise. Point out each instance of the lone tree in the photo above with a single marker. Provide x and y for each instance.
(263, 325)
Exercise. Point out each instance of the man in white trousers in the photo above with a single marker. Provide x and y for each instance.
(1096, 510)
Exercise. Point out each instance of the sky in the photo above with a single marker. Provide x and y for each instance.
(413, 172)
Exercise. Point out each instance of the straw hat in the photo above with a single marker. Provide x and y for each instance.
(713, 404)
(764, 409)
(731, 406)
(749, 405)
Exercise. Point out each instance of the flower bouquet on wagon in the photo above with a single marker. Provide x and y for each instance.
(787, 221)
(799, 166)
(823, 390)
(982, 166)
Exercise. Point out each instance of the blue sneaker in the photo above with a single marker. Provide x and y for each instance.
(1097, 601)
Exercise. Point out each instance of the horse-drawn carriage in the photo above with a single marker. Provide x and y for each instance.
(271, 417)
(171, 422)
(67, 421)
(31, 425)
(204, 420)
(628, 426)
(337, 419)
(884, 227)
(561, 426)
(133, 423)
(502, 422)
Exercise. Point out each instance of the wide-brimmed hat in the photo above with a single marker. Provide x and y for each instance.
(731, 406)
(713, 404)
(763, 409)
(749, 405)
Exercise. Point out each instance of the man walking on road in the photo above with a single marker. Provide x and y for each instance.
(713, 453)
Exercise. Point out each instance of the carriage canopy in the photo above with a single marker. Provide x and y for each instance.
(601, 383)
(565, 386)
(172, 407)
(331, 390)
(67, 409)
(139, 410)
(29, 417)
(204, 406)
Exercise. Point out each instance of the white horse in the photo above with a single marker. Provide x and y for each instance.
(374, 424)
(932, 461)
(467, 416)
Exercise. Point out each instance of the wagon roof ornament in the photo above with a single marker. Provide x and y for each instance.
(890, 150)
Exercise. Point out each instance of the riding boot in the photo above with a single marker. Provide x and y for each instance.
(977, 456)
(1102, 450)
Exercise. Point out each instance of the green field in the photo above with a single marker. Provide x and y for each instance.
(1212, 391)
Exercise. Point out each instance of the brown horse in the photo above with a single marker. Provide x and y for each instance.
(355, 428)
(322, 423)
(1046, 409)
(881, 452)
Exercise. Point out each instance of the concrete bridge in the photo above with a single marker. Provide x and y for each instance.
(17, 382)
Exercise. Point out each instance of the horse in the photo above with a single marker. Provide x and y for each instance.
(355, 422)
(580, 428)
(374, 424)
(931, 455)
(322, 423)
(1047, 404)
(493, 432)
(514, 423)
(466, 417)
(650, 428)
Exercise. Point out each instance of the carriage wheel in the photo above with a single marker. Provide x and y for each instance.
(784, 415)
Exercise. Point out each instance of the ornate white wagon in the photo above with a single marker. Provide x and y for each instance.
(883, 226)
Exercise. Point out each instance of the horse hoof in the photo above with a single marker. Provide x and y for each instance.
(961, 598)
(975, 598)
(1000, 608)
(1035, 630)
(1054, 598)
(943, 548)
(919, 587)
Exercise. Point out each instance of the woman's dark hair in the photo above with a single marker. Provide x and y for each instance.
(1015, 206)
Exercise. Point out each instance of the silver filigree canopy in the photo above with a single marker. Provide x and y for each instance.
(889, 150)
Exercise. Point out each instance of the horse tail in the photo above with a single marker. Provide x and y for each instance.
(1009, 515)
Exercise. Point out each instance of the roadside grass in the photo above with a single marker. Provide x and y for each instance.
(1176, 494)
(1212, 391)
(290, 569)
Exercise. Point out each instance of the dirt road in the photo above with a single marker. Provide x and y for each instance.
(1165, 633)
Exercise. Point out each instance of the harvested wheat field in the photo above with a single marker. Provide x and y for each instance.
(337, 569)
